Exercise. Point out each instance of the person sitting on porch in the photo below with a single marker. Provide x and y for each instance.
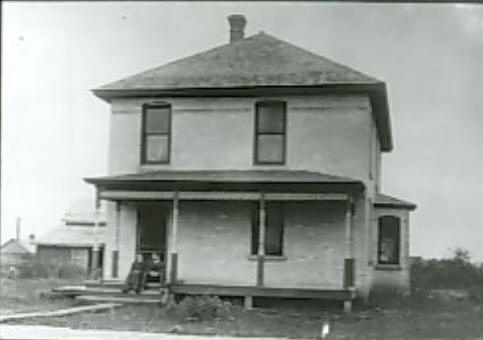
(137, 276)
(155, 269)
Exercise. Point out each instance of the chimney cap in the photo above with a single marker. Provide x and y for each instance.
(237, 17)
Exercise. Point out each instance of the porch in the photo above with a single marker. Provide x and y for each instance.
(212, 247)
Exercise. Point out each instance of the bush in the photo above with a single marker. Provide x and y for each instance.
(70, 271)
(454, 273)
(39, 269)
(34, 269)
(202, 307)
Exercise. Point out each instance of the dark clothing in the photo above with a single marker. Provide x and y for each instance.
(155, 271)
(136, 278)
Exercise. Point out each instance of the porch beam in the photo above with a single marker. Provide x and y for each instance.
(261, 241)
(349, 245)
(95, 245)
(219, 195)
(174, 247)
(115, 252)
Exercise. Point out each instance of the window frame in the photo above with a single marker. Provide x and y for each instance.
(398, 249)
(257, 133)
(145, 134)
(255, 228)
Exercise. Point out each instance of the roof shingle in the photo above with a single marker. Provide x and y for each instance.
(258, 60)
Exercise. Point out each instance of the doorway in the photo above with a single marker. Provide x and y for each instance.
(151, 230)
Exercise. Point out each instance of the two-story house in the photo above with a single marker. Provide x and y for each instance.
(253, 169)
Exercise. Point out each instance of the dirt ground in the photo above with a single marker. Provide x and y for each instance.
(403, 318)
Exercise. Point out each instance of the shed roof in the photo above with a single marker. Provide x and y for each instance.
(223, 176)
(383, 200)
(14, 246)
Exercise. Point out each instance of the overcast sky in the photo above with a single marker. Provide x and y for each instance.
(54, 131)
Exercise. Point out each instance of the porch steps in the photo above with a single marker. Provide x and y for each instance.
(121, 298)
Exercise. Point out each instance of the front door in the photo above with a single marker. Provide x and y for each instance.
(151, 230)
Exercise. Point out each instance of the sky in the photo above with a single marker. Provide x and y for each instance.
(54, 131)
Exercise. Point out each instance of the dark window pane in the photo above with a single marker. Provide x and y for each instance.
(271, 117)
(156, 148)
(274, 229)
(389, 239)
(157, 120)
(270, 148)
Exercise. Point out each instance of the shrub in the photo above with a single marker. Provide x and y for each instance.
(202, 307)
(454, 273)
(40, 269)
(34, 269)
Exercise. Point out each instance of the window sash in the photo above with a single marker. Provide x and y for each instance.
(270, 133)
(156, 134)
(389, 250)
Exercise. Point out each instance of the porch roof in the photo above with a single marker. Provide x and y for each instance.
(382, 200)
(221, 179)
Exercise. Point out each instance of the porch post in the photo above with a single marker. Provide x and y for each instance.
(349, 251)
(174, 234)
(261, 241)
(95, 246)
(115, 252)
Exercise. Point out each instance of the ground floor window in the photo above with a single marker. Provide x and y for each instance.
(274, 228)
(389, 239)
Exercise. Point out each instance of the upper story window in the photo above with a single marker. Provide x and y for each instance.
(389, 240)
(270, 133)
(156, 134)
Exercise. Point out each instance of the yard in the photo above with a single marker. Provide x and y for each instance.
(423, 315)
(25, 295)
(404, 318)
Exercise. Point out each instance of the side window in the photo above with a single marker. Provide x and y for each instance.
(389, 240)
(274, 229)
(156, 134)
(270, 132)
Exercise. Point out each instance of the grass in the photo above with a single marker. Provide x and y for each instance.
(403, 318)
(26, 295)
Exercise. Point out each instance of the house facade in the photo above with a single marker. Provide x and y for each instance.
(253, 169)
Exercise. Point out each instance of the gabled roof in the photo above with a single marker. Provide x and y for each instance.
(14, 246)
(259, 60)
(72, 236)
(383, 200)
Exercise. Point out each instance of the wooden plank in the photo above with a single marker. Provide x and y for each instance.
(136, 195)
(60, 312)
(218, 195)
(199, 289)
(119, 299)
(305, 197)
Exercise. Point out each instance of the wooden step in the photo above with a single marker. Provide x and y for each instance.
(124, 298)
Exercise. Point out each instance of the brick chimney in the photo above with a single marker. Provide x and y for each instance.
(237, 27)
